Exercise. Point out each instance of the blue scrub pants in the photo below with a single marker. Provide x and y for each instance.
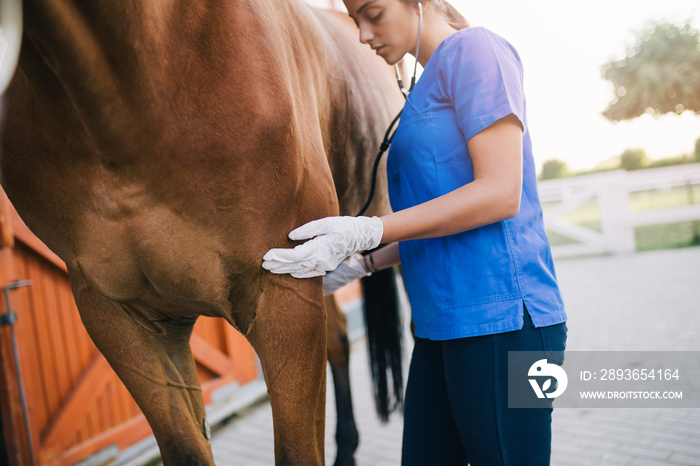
(456, 406)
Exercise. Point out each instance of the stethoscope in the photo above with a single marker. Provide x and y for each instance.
(415, 65)
(389, 135)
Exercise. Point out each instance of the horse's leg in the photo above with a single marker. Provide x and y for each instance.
(153, 359)
(346, 435)
(289, 336)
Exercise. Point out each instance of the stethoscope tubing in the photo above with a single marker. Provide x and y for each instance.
(389, 135)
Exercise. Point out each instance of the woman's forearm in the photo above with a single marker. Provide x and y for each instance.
(471, 206)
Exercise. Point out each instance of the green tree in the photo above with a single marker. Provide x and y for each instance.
(634, 159)
(661, 73)
(696, 154)
(554, 168)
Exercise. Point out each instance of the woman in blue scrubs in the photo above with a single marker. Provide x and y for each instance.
(467, 229)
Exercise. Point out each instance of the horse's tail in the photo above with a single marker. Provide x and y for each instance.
(384, 332)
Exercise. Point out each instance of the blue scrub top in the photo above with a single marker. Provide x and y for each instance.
(475, 282)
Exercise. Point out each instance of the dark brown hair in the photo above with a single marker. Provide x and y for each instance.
(450, 13)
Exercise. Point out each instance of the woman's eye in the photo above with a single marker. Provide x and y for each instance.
(375, 18)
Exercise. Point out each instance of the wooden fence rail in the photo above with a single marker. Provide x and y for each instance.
(612, 191)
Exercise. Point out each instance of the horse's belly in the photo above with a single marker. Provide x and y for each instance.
(156, 257)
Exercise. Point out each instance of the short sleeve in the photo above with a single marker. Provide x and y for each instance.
(481, 74)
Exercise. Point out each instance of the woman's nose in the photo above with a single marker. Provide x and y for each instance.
(366, 35)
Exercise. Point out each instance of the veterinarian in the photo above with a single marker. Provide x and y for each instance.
(467, 229)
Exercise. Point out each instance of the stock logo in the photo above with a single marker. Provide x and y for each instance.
(542, 368)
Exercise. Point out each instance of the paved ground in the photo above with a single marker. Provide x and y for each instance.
(644, 301)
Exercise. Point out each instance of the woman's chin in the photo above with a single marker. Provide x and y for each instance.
(391, 60)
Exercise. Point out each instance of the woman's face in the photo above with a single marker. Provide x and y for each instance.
(390, 27)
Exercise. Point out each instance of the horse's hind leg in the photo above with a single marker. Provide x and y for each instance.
(346, 435)
(154, 361)
(289, 336)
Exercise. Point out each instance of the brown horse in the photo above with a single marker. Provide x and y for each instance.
(160, 149)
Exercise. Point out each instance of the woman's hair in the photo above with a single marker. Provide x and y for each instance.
(450, 13)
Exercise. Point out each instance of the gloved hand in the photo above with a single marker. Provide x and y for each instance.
(334, 239)
(348, 271)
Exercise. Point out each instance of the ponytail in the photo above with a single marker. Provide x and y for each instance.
(450, 13)
(454, 17)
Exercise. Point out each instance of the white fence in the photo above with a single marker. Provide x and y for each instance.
(612, 191)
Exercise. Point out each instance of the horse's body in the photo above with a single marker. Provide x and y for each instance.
(160, 149)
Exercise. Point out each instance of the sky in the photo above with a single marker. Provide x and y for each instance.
(563, 45)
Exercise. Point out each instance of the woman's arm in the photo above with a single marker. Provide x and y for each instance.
(494, 195)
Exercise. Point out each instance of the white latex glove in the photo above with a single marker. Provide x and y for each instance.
(334, 239)
(348, 271)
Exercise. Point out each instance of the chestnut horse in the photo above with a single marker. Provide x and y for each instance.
(160, 148)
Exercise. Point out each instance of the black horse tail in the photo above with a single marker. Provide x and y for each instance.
(384, 335)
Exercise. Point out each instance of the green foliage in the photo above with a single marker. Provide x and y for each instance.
(634, 159)
(630, 159)
(660, 74)
(554, 168)
(667, 236)
(668, 161)
(593, 171)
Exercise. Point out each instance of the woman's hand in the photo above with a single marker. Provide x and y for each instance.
(331, 240)
(358, 266)
(348, 271)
